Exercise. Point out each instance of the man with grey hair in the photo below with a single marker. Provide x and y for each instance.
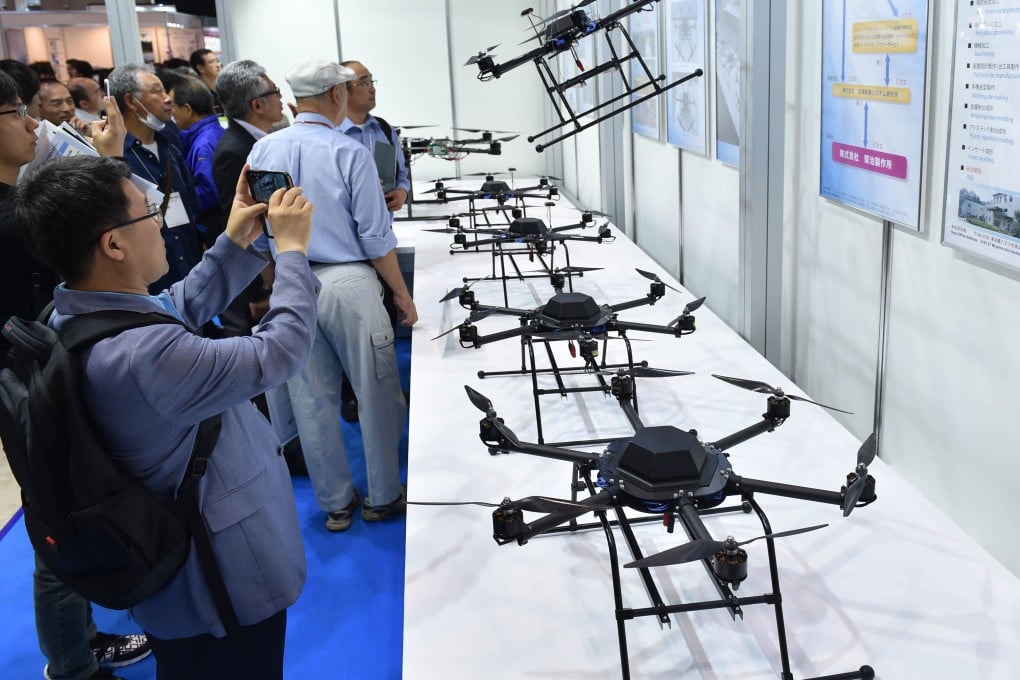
(252, 103)
(154, 154)
(352, 241)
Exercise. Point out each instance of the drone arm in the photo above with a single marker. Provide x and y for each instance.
(775, 415)
(500, 335)
(646, 300)
(744, 485)
(554, 519)
(648, 328)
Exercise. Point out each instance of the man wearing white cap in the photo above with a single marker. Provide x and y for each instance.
(351, 242)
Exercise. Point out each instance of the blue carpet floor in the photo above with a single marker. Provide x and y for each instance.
(348, 622)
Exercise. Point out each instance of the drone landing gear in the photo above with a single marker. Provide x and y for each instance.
(726, 569)
(589, 351)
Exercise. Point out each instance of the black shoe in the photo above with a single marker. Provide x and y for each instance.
(114, 651)
(340, 520)
(371, 513)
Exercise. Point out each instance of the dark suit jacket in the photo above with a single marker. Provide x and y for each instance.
(231, 154)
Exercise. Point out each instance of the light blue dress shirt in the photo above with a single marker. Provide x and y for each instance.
(370, 133)
(350, 222)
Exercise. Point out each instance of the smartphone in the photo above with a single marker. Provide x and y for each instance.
(262, 183)
(108, 88)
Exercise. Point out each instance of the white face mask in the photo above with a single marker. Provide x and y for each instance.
(150, 121)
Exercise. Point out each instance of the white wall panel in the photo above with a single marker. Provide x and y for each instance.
(657, 202)
(711, 220)
(589, 169)
(279, 35)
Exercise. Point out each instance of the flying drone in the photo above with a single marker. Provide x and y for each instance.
(575, 318)
(559, 33)
(671, 476)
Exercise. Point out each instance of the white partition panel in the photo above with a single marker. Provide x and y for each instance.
(657, 202)
(711, 219)
(953, 370)
(279, 36)
(589, 169)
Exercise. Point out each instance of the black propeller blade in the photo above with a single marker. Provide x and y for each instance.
(481, 55)
(690, 307)
(648, 372)
(865, 457)
(530, 504)
(483, 404)
(654, 277)
(472, 317)
(765, 388)
(705, 548)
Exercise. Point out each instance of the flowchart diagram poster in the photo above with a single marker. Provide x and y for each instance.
(982, 212)
(873, 82)
(686, 37)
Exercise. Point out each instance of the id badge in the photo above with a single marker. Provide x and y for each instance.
(176, 213)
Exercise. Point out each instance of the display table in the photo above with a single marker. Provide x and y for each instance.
(897, 585)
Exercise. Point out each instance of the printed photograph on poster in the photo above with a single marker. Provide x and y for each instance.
(686, 105)
(727, 81)
(982, 207)
(644, 31)
(874, 59)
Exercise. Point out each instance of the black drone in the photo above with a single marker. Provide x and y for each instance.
(494, 189)
(586, 327)
(671, 476)
(450, 149)
(524, 236)
(560, 33)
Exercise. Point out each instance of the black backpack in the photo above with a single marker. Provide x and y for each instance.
(95, 526)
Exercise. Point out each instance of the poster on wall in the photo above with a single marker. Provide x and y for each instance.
(982, 204)
(874, 56)
(686, 105)
(644, 31)
(727, 81)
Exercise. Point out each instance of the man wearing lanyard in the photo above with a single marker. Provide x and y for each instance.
(351, 241)
(153, 157)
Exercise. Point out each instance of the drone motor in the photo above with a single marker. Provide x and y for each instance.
(507, 522)
(730, 563)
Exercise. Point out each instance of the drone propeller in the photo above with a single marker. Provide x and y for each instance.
(690, 307)
(566, 270)
(482, 55)
(542, 504)
(765, 388)
(704, 548)
(472, 317)
(483, 404)
(865, 456)
(412, 127)
(500, 132)
(647, 372)
(654, 277)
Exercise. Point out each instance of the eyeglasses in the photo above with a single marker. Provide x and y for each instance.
(154, 213)
(364, 82)
(21, 111)
(270, 93)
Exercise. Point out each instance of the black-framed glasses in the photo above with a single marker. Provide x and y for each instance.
(269, 93)
(154, 213)
(21, 111)
(364, 82)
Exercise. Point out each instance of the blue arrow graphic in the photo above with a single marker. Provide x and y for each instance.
(842, 74)
(865, 123)
(895, 13)
(887, 69)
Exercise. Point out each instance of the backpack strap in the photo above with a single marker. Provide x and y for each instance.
(387, 129)
(187, 497)
(84, 330)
